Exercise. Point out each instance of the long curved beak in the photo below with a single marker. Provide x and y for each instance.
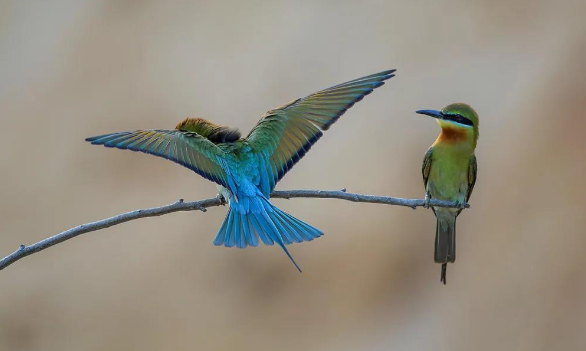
(431, 113)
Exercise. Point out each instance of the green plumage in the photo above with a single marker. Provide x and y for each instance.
(449, 173)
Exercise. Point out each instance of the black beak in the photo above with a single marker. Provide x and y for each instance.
(432, 113)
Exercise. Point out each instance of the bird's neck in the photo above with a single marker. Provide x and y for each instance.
(456, 138)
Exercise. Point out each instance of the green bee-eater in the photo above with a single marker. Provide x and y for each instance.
(247, 169)
(449, 173)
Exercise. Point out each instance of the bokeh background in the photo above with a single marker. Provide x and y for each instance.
(72, 69)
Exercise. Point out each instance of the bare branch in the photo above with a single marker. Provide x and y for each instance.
(202, 205)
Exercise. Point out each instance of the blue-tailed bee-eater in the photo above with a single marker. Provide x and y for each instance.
(449, 173)
(247, 169)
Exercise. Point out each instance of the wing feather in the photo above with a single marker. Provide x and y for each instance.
(426, 166)
(472, 171)
(285, 134)
(187, 149)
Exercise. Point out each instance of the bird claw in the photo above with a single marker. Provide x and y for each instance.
(461, 205)
(427, 200)
(222, 199)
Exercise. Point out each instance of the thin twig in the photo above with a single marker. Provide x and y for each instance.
(202, 205)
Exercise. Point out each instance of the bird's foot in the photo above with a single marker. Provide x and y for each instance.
(461, 204)
(222, 199)
(427, 200)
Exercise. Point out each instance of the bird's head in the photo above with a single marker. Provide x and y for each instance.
(213, 132)
(457, 117)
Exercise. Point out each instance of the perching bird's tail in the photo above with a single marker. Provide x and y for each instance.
(255, 217)
(445, 241)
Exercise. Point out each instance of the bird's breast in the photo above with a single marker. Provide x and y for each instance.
(448, 178)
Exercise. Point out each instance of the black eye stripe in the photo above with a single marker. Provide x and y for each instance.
(460, 119)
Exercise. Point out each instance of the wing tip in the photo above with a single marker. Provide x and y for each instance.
(388, 72)
(387, 75)
(95, 139)
(104, 138)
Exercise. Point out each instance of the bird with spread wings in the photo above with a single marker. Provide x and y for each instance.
(247, 169)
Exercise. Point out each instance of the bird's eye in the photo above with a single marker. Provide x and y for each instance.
(461, 119)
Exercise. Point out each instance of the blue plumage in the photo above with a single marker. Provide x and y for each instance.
(249, 168)
(244, 226)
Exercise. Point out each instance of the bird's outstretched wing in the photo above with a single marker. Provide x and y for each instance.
(285, 134)
(188, 149)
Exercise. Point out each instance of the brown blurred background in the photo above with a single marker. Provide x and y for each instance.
(72, 69)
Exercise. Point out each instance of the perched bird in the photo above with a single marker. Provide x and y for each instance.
(449, 173)
(247, 169)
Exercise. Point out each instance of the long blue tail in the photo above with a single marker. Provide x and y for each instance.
(255, 217)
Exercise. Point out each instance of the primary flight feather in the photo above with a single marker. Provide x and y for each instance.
(247, 169)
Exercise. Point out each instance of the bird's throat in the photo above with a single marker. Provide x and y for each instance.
(454, 135)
